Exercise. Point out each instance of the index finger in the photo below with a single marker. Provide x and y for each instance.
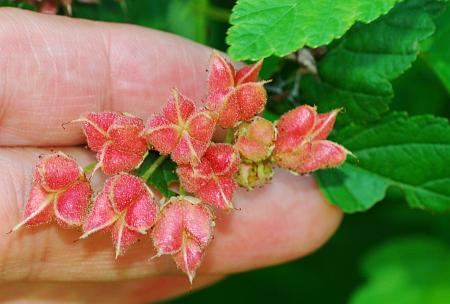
(286, 219)
(53, 69)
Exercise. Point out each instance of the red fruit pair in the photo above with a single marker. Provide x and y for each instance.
(184, 230)
(234, 96)
(126, 207)
(301, 146)
(181, 130)
(59, 191)
(212, 179)
(116, 137)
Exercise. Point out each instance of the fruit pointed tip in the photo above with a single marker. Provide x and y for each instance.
(83, 236)
(216, 55)
(81, 119)
(191, 276)
(263, 82)
(340, 110)
(91, 175)
(118, 252)
(68, 8)
(336, 111)
(229, 207)
(350, 153)
(16, 227)
(155, 256)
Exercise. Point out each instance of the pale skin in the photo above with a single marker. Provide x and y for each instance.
(52, 70)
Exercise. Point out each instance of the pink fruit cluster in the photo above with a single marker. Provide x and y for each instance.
(209, 173)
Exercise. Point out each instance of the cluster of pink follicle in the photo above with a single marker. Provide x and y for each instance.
(209, 173)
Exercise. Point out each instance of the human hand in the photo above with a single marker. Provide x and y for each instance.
(52, 70)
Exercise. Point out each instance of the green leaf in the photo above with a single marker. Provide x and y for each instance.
(147, 13)
(437, 54)
(89, 168)
(142, 12)
(270, 66)
(193, 19)
(420, 83)
(19, 4)
(410, 153)
(105, 10)
(356, 72)
(188, 19)
(263, 28)
(163, 176)
(406, 271)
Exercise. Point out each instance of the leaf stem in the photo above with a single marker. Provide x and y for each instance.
(88, 169)
(230, 135)
(154, 166)
(181, 191)
(218, 13)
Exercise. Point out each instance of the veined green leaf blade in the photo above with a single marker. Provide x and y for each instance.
(410, 153)
(357, 71)
(263, 28)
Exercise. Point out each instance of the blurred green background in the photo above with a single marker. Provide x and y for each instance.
(391, 254)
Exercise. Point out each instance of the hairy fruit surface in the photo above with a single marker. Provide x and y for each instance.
(184, 230)
(212, 179)
(116, 137)
(59, 190)
(234, 96)
(125, 206)
(301, 145)
(181, 130)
